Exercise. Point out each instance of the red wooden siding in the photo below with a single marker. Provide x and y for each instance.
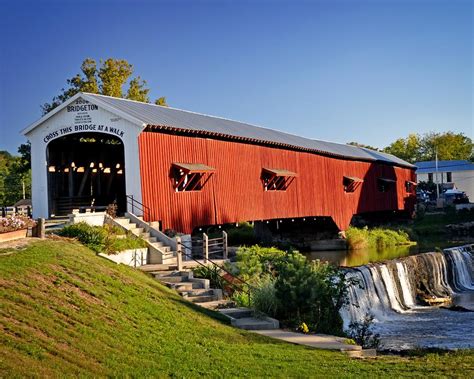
(235, 192)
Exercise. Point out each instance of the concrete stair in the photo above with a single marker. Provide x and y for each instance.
(245, 318)
(218, 304)
(158, 252)
(319, 341)
(195, 290)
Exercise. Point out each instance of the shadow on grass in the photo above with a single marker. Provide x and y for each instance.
(417, 352)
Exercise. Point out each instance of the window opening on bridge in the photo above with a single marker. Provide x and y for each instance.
(351, 183)
(385, 184)
(275, 179)
(410, 186)
(190, 176)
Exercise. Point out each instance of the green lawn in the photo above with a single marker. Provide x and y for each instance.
(66, 312)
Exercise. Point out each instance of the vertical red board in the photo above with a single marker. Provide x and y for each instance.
(235, 192)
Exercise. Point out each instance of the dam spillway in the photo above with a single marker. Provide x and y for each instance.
(391, 291)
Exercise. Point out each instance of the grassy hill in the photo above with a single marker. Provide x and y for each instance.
(66, 312)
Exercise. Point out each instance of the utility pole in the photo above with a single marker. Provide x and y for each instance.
(23, 186)
(437, 181)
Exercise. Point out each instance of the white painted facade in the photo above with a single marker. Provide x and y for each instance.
(463, 180)
(74, 116)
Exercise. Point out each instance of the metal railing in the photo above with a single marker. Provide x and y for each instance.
(140, 207)
(244, 287)
(210, 246)
(137, 259)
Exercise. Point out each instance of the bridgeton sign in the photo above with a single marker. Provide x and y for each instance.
(83, 122)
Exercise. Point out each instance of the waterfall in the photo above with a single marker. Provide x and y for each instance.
(407, 292)
(462, 273)
(389, 288)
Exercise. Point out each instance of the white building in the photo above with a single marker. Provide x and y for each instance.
(460, 173)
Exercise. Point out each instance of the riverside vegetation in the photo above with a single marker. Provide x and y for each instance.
(287, 286)
(67, 312)
(379, 238)
(427, 231)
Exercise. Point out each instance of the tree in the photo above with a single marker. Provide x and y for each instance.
(5, 158)
(14, 176)
(25, 156)
(113, 75)
(138, 92)
(416, 147)
(161, 101)
(448, 146)
(408, 149)
(109, 79)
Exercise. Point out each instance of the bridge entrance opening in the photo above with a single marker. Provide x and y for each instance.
(86, 171)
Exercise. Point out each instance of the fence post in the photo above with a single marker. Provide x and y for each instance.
(205, 247)
(41, 228)
(224, 241)
(179, 254)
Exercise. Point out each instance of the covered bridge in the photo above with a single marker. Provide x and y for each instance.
(191, 170)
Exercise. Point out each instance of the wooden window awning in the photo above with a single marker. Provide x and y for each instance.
(387, 180)
(190, 176)
(351, 183)
(353, 179)
(278, 172)
(277, 179)
(194, 168)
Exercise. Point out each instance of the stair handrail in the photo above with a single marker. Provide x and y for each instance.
(179, 243)
(146, 210)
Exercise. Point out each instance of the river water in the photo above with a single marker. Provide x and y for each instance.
(388, 290)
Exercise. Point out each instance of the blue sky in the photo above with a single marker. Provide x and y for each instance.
(366, 71)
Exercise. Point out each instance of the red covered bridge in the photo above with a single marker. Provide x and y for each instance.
(196, 170)
(230, 181)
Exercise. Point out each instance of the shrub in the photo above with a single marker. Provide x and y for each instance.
(241, 298)
(310, 291)
(243, 234)
(121, 244)
(362, 333)
(114, 229)
(212, 273)
(102, 238)
(359, 238)
(291, 288)
(264, 298)
(252, 263)
(93, 237)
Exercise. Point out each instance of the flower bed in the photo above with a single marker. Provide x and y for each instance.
(14, 227)
(15, 222)
(13, 235)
